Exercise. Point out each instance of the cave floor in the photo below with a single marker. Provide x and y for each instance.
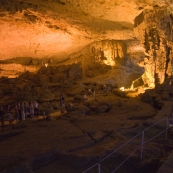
(79, 141)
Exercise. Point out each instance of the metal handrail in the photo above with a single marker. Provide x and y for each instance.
(90, 168)
(142, 145)
(120, 147)
(126, 159)
(155, 123)
(154, 136)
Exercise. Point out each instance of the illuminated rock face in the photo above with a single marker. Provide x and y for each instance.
(57, 29)
(49, 28)
(109, 52)
(154, 28)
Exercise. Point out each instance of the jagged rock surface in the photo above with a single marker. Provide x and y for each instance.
(154, 28)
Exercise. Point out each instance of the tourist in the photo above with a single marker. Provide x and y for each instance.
(20, 113)
(36, 108)
(44, 114)
(84, 97)
(22, 109)
(31, 109)
(107, 90)
(9, 113)
(62, 103)
(171, 117)
(89, 92)
(2, 118)
(104, 89)
(16, 108)
(26, 109)
(94, 93)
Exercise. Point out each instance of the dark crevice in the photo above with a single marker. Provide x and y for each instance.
(92, 143)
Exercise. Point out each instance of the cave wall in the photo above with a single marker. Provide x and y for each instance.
(57, 28)
(109, 52)
(95, 59)
(105, 53)
(154, 29)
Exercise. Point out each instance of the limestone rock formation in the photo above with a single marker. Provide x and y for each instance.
(47, 32)
(154, 28)
(119, 48)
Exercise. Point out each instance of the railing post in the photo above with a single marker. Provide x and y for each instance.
(167, 124)
(142, 143)
(99, 168)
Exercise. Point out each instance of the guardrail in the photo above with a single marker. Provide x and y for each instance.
(144, 140)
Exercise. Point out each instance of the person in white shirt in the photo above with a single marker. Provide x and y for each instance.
(36, 109)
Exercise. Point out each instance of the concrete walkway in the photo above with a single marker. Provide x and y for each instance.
(165, 111)
(167, 166)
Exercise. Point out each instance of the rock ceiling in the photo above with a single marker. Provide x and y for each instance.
(57, 28)
(77, 30)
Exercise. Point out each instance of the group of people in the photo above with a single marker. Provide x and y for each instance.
(20, 112)
(90, 93)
